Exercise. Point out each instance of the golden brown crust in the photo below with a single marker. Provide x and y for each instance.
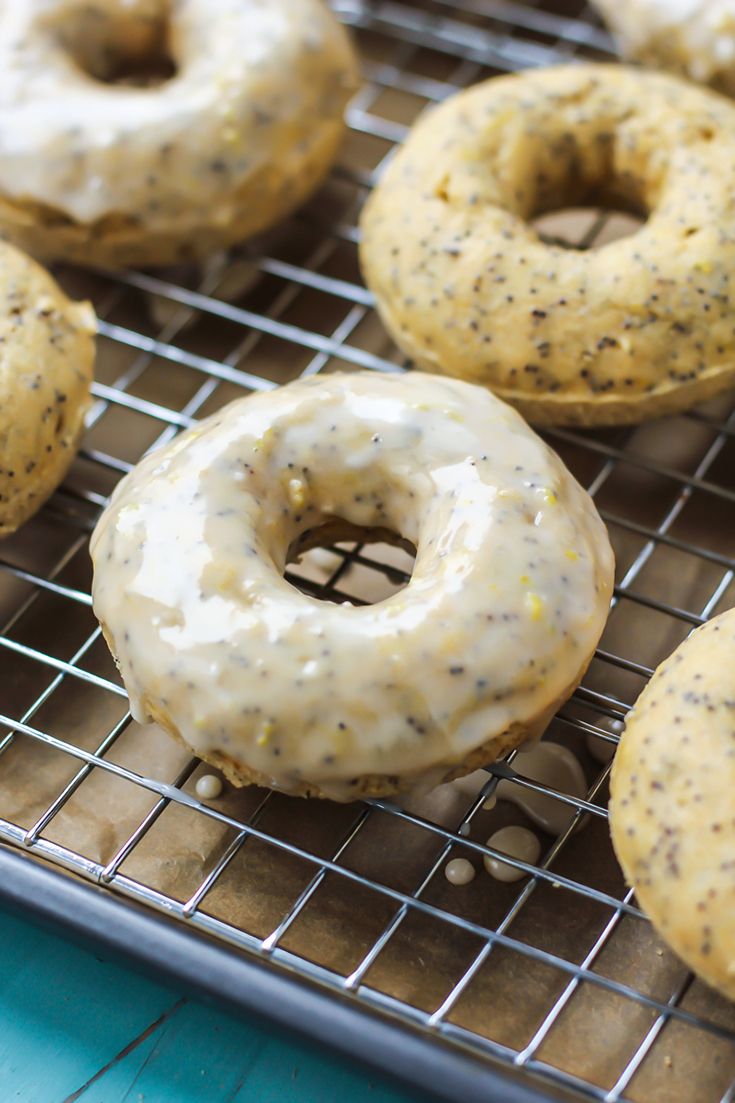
(507, 599)
(45, 375)
(638, 328)
(671, 810)
(377, 785)
(380, 785)
(610, 409)
(116, 241)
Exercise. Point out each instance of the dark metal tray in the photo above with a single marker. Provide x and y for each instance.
(338, 921)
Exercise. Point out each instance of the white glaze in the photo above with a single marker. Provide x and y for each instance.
(325, 561)
(699, 33)
(549, 764)
(209, 787)
(508, 597)
(516, 842)
(459, 871)
(245, 93)
(602, 751)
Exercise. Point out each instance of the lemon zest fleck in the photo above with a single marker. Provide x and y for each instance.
(226, 579)
(266, 438)
(535, 606)
(264, 735)
(296, 494)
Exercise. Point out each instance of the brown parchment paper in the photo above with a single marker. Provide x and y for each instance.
(510, 995)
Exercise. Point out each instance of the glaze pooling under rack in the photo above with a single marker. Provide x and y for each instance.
(558, 977)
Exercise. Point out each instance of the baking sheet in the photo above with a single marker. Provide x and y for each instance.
(510, 995)
(639, 478)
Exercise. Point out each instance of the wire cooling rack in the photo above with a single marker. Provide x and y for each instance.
(339, 920)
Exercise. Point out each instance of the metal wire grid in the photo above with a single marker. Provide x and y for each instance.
(415, 53)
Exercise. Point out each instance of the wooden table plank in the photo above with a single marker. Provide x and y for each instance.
(64, 1014)
(201, 1054)
(76, 1028)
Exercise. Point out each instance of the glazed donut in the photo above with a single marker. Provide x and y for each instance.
(640, 327)
(671, 807)
(92, 169)
(508, 597)
(693, 37)
(45, 374)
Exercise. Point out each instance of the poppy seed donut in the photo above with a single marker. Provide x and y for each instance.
(640, 327)
(508, 597)
(671, 806)
(96, 169)
(46, 365)
(693, 37)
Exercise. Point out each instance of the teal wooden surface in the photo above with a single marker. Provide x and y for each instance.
(78, 1028)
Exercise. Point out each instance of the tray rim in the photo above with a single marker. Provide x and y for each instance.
(235, 980)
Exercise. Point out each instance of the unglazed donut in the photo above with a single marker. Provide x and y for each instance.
(46, 368)
(693, 37)
(239, 135)
(671, 807)
(640, 327)
(508, 597)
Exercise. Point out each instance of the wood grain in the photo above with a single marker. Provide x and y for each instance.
(76, 1028)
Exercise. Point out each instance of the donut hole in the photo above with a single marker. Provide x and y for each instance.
(121, 48)
(582, 228)
(340, 562)
(589, 193)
